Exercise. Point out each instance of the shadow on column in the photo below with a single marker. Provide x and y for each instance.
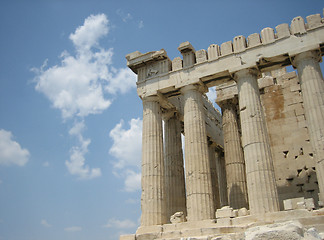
(233, 194)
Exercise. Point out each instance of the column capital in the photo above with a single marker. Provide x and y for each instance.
(249, 72)
(228, 103)
(152, 98)
(305, 55)
(169, 113)
(197, 87)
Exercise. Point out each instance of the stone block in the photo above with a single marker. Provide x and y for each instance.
(171, 234)
(176, 64)
(282, 31)
(253, 40)
(201, 56)
(301, 205)
(127, 237)
(312, 234)
(291, 204)
(310, 205)
(148, 236)
(178, 217)
(314, 21)
(265, 82)
(267, 35)
(242, 212)
(295, 88)
(297, 26)
(284, 230)
(278, 72)
(189, 59)
(213, 52)
(149, 229)
(224, 221)
(239, 44)
(225, 212)
(226, 48)
(191, 232)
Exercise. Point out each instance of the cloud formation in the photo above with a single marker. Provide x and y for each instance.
(127, 143)
(80, 85)
(83, 84)
(11, 153)
(124, 16)
(126, 148)
(45, 223)
(76, 164)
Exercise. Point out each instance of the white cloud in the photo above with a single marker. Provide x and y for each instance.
(211, 94)
(45, 223)
(84, 84)
(76, 164)
(80, 84)
(124, 16)
(121, 224)
(11, 152)
(132, 181)
(123, 81)
(127, 143)
(140, 24)
(126, 148)
(73, 229)
(87, 35)
(46, 164)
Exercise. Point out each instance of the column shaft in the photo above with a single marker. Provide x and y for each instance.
(312, 86)
(261, 183)
(153, 192)
(214, 178)
(198, 180)
(221, 175)
(174, 170)
(234, 160)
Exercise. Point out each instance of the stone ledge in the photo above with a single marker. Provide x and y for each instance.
(211, 230)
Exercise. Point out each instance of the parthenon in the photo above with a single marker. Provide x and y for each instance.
(260, 161)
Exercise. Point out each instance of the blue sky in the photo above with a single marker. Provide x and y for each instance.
(70, 125)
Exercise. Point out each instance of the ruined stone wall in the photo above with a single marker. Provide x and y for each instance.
(291, 149)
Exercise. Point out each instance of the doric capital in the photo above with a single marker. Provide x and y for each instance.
(304, 56)
(228, 103)
(200, 88)
(186, 47)
(152, 98)
(249, 72)
(169, 113)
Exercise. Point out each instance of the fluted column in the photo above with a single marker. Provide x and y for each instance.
(213, 174)
(221, 175)
(261, 183)
(198, 180)
(234, 160)
(153, 193)
(312, 86)
(174, 170)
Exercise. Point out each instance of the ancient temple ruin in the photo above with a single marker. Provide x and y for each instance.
(260, 161)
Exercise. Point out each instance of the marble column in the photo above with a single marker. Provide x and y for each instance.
(221, 177)
(234, 160)
(174, 171)
(213, 174)
(261, 182)
(198, 179)
(312, 86)
(153, 201)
